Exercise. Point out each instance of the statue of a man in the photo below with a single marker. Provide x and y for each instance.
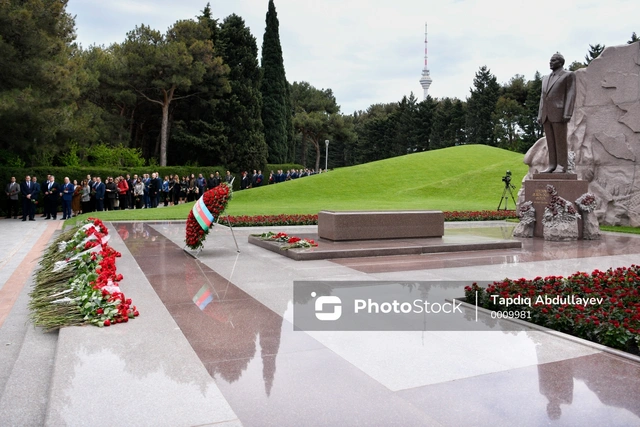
(556, 108)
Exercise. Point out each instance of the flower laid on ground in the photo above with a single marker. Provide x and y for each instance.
(603, 306)
(299, 219)
(198, 223)
(292, 242)
(77, 282)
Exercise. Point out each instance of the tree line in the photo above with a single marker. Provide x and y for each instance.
(199, 95)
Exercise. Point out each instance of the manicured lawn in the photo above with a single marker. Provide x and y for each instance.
(464, 178)
(620, 229)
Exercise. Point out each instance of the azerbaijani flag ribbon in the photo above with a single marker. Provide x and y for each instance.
(203, 297)
(202, 214)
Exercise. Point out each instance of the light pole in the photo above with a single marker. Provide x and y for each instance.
(326, 154)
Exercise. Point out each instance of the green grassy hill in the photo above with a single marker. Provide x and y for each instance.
(460, 178)
(457, 178)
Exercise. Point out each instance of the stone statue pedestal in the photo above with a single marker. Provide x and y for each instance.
(568, 185)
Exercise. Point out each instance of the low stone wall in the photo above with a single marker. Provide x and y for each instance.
(374, 225)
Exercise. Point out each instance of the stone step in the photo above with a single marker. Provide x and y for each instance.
(26, 366)
(144, 372)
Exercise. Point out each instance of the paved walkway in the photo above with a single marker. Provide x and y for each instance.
(237, 360)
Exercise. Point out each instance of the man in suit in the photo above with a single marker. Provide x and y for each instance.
(245, 181)
(100, 192)
(44, 207)
(155, 185)
(556, 108)
(26, 188)
(35, 194)
(51, 196)
(67, 194)
(12, 190)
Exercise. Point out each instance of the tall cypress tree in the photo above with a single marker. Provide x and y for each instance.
(241, 109)
(480, 106)
(276, 113)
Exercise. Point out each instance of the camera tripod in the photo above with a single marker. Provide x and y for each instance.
(507, 189)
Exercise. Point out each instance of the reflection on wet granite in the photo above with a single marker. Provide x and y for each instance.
(535, 249)
(272, 375)
(572, 392)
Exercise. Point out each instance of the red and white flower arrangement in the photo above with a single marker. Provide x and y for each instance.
(292, 242)
(77, 282)
(216, 201)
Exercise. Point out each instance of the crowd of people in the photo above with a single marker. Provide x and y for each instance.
(123, 192)
(257, 179)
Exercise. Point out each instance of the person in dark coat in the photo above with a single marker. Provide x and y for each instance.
(51, 197)
(100, 192)
(67, 196)
(111, 190)
(26, 189)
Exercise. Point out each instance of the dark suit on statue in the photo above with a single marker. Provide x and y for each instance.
(556, 108)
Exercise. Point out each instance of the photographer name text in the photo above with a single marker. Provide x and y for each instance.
(546, 300)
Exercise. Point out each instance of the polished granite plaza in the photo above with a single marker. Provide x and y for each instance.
(235, 311)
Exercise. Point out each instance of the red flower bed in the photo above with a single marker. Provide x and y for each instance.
(299, 219)
(271, 220)
(602, 307)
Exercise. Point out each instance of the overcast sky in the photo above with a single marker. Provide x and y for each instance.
(372, 51)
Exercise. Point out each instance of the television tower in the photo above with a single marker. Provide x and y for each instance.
(425, 80)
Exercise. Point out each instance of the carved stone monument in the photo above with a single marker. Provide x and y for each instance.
(527, 214)
(560, 218)
(604, 133)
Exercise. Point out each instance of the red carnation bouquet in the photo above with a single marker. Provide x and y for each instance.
(215, 201)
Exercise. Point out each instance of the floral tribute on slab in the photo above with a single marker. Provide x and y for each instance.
(77, 282)
(205, 211)
(291, 242)
(603, 307)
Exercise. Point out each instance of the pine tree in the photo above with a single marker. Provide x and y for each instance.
(276, 112)
(594, 52)
(448, 128)
(480, 107)
(424, 123)
(179, 65)
(634, 38)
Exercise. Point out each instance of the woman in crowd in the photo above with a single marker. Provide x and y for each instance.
(193, 189)
(175, 184)
(184, 187)
(165, 191)
(75, 201)
(138, 193)
(111, 191)
(86, 196)
(123, 188)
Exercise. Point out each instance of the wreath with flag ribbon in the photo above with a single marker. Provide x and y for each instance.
(204, 213)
